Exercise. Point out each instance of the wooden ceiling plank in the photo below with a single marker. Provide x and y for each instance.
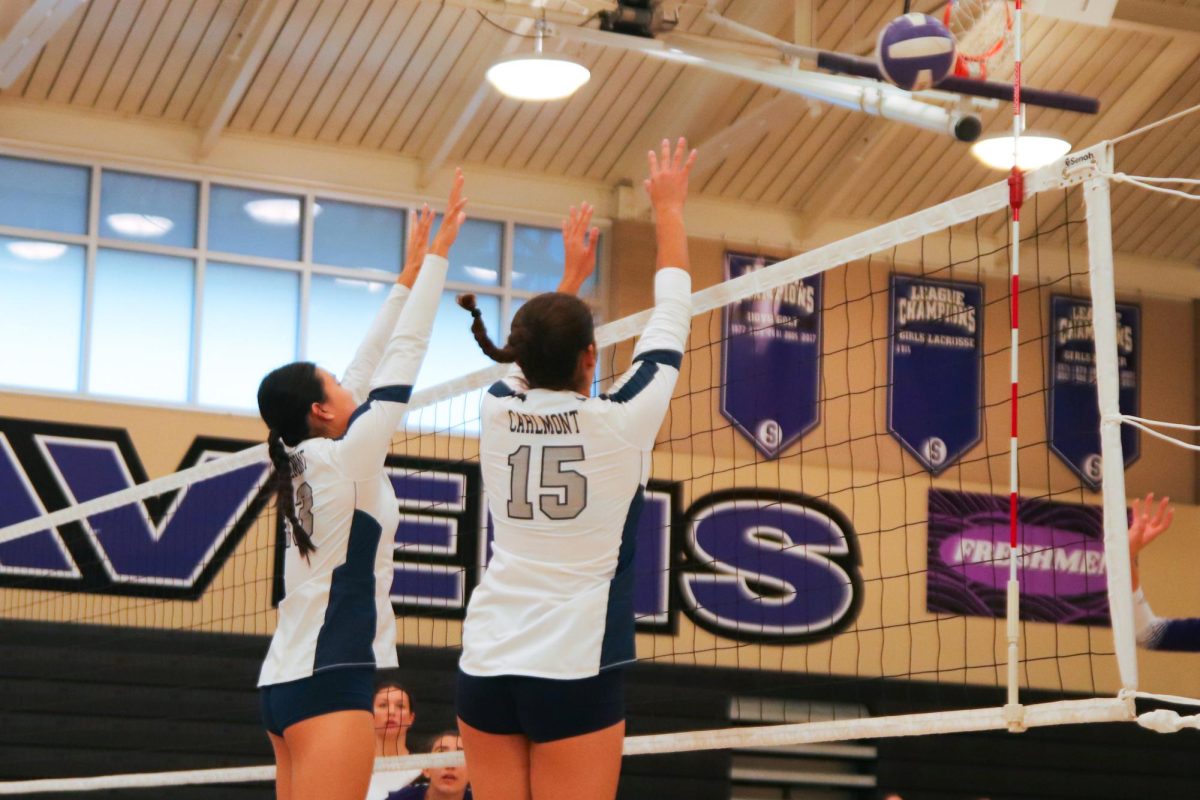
(384, 63)
(329, 55)
(299, 66)
(849, 133)
(107, 49)
(597, 138)
(132, 52)
(415, 72)
(235, 68)
(86, 40)
(271, 67)
(623, 139)
(374, 25)
(717, 146)
(1147, 154)
(51, 59)
(179, 55)
(797, 126)
(29, 33)
(439, 81)
(203, 61)
(152, 57)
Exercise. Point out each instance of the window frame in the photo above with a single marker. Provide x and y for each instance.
(310, 192)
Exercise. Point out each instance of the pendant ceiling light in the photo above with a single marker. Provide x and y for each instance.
(537, 76)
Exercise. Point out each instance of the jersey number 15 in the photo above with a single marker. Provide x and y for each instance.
(562, 493)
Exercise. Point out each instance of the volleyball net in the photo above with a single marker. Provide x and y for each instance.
(829, 510)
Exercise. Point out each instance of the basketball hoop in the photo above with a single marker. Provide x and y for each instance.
(983, 29)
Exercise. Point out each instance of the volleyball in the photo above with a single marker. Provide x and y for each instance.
(916, 51)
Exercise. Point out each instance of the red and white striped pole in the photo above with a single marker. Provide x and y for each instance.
(1016, 191)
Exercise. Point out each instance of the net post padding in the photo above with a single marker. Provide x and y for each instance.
(1069, 712)
(1060, 175)
(1104, 327)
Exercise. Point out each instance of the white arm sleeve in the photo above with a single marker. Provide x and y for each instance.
(357, 376)
(641, 397)
(364, 446)
(1147, 624)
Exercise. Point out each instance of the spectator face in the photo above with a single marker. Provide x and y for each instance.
(447, 781)
(393, 714)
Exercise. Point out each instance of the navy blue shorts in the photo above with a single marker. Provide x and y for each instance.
(345, 689)
(541, 709)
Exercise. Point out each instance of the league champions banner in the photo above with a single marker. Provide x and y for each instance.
(1061, 562)
(935, 354)
(1074, 413)
(770, 388)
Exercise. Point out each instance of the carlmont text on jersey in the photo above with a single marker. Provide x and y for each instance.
(565, 422)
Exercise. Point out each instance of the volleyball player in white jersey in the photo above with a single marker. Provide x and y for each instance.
(328, 442)
(540, 687)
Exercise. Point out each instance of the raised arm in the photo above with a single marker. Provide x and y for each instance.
(357, 377)
(1147, 522)
(643, 394)
(365, 444)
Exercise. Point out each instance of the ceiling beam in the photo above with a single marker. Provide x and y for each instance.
(240, 58)
(29, 35)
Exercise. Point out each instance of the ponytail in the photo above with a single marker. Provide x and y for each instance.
(285, 497)
(549, 333)
(507, 355)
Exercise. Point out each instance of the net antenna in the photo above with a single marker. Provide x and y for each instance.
(984, 30)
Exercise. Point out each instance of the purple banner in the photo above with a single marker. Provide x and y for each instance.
(1061, 562)
(934, 362)
(771, 364)
(1072, 410)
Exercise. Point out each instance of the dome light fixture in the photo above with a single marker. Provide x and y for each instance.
(1037, 150)
(538, 77)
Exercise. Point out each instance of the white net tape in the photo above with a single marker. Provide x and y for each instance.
(1072, 712)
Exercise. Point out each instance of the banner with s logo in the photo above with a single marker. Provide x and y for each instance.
(771, 368)
(935, 357)
(1073, 424)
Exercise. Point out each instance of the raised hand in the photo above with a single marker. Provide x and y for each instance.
(453, 219)
(579, 246)
(668, 181)
(418, 244)
(1147, 524)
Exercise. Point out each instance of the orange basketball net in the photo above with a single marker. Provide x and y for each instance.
(983, 29)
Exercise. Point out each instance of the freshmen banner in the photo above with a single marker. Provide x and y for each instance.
(935, 354)
(1061, 558)
(1073, 424)
(770, 388)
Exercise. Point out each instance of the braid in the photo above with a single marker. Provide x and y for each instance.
(285, 498)
(506, 355)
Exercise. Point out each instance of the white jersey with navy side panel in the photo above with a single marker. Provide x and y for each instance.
(564, 476)
(1180, 634)
(336, 610)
